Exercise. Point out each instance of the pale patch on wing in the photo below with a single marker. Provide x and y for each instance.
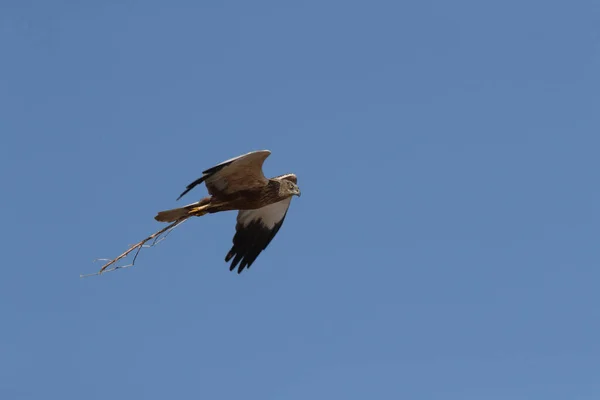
(254, 231)
(220, 185)
(269, 215)
(263, 153)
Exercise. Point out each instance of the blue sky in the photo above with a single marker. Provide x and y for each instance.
(445, 245)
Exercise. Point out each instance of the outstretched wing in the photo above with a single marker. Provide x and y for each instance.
(239, 173)
(255, 229)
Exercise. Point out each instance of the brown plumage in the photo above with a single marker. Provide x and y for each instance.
(239, 184)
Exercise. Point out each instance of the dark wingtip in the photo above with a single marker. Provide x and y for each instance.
(191, 186)
(242, 266)
(181, 195)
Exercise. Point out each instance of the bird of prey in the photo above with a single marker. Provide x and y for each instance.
(239, 184)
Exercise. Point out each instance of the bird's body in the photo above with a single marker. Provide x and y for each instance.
(239, 184)
(252, 199)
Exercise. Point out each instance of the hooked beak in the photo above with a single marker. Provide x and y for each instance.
(298, 193)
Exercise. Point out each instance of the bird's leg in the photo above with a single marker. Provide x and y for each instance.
(199, 211)
(206, 208)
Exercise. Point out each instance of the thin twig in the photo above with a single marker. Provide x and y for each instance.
(138, 246)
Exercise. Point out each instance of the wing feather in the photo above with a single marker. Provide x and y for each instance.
(255, 229)
(239, 173)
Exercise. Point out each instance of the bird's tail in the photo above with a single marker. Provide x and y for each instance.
(196, 209)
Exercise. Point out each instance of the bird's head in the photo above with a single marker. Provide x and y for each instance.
(289, 188)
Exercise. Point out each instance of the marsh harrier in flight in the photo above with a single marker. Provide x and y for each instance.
(239, 184)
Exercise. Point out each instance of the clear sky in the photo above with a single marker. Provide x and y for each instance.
(445, 245)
